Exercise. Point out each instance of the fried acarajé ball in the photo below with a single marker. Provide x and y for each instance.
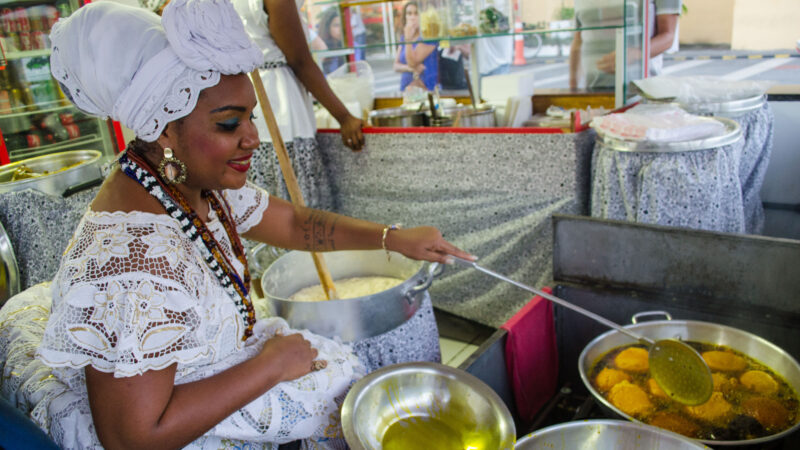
(676, 423)
(724, 361)
(723, 384)
(768, 412)
(759, 381)
(608, 377)
(633, 359)
(716, 410)
(630, 399)
(655, 389)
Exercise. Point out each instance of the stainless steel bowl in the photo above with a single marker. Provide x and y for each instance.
(425, 390)
(688, 330)
(354, 318)
(605, 435)
(481, 117)
(397, 117)
(55, 183)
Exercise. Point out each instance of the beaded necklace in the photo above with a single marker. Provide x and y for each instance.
(178, 208)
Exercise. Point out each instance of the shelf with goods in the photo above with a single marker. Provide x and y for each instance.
(36, 118)
(535, 33)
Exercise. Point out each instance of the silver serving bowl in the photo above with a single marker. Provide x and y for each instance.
(605, 435)
(424, 391)
(87, 167)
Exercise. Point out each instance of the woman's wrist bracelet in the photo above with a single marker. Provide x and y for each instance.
(386, 230)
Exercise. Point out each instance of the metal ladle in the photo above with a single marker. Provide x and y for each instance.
(677, 368)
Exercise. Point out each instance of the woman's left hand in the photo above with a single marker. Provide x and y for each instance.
(424, 243)
(351, 132)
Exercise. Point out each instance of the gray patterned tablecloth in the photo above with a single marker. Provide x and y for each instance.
(715, 189)
(490, 194)
(757, 128)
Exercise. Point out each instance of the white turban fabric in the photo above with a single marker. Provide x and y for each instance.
(128, 64)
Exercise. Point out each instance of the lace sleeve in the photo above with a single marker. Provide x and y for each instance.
(248, 205)
(132, 296)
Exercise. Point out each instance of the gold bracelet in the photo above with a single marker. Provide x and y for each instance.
(395, 226)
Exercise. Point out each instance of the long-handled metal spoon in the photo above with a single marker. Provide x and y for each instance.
(677, 368)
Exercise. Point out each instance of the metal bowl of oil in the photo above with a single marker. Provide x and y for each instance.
(424, 405)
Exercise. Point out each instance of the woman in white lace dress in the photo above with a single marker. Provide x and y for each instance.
(151, 336)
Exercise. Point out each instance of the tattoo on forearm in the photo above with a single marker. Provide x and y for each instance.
(318, 231)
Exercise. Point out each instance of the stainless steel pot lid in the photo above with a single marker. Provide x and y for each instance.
(733, 133)
(726, 108)
(9, 271)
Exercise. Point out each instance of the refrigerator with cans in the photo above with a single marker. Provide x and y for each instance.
(36, 118)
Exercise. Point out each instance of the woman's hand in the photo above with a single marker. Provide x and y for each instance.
(292, 354)
(411, 31)
(424, 243)
(351, 132)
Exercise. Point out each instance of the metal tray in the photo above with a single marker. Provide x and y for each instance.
(9, 272)
(733, 134)
(728, 108)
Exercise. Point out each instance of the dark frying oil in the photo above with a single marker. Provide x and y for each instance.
(741, 426)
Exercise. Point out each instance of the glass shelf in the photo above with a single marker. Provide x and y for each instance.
(27, 54)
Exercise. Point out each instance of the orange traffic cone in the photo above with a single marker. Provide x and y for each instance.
(519, 45)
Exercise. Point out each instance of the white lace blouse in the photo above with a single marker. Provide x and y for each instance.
(133, 294)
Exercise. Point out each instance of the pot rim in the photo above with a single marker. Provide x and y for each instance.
(405, 286)
(642, 325)
(638, 427)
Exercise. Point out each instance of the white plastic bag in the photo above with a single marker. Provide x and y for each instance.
(354, 82)
(701, 89)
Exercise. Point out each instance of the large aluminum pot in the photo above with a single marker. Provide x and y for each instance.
(349, 319)
(87, 168)
(397, 117)
(426, 390)
(749, 344)
(481, 117)
(605, 435)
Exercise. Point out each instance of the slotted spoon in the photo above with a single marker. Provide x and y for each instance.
(677, 368)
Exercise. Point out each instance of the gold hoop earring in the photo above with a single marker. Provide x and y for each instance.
(172, 169)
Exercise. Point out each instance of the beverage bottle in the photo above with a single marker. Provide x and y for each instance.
(6, 105)
(51, 126)
(21, 16)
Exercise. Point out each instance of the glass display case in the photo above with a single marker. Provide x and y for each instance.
(606, 37)
(35, 116)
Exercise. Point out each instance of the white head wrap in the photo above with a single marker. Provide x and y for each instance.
(128, 64)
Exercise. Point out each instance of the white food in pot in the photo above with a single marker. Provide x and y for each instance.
(347, 288)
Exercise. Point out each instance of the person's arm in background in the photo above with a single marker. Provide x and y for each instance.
(399, 66)
(287, 30)
(575, 60)
(666, 26)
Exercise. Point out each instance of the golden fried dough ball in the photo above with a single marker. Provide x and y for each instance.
(724, 361)
(655, 389)
(724, 384)
(630, 399)
(633, 359)
(676, 423)
(768, 412)
(608, 377)
(715, 410)
(759, 381)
